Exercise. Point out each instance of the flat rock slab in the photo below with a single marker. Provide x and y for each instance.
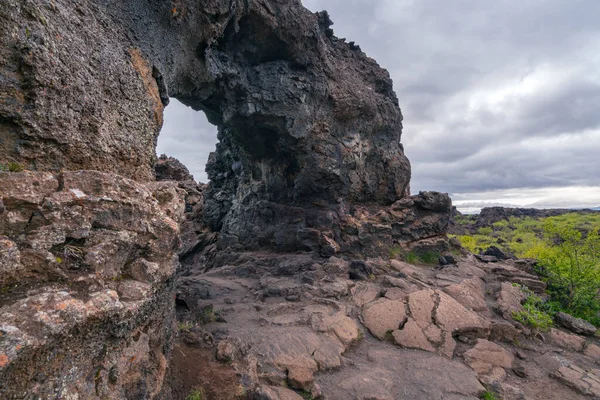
(383, 316)
(587, 383)
(470, 293)
(402, 374)
(489, 360)
(566, 340)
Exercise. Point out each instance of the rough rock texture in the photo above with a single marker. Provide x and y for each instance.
(309, 127)
(297, 321)
(194, 233)
(86, 304)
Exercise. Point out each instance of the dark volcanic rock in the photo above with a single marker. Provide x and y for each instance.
(493, 251)
(487, 259)
(195, 235)
(360, 270)
(303, 140)
(490, 215)
(446, 259)
(171, 169)
(573, 324)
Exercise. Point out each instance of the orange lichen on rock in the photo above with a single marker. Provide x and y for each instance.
(3, 360)
(142, 67)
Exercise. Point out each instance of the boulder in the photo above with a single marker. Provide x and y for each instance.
(576, 325)
(494, 251)
(360, 270)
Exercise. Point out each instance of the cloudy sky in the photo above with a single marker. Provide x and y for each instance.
(501, 98)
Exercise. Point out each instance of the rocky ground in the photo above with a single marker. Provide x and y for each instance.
(298, 326)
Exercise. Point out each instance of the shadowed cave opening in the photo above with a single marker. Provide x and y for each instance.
(187, 136)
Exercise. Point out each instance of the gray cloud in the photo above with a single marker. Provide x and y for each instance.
(188, 136)
(496, 95)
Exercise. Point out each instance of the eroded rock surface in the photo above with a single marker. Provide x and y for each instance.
(299, 322)
(87, 284)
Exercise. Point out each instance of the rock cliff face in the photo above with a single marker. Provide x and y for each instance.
(309, 159)
(86, 269)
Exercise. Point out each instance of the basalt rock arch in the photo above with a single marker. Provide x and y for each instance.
(308, 124)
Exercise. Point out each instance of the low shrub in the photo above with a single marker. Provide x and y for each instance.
(533, 313)
(195, 394)
(12, 167)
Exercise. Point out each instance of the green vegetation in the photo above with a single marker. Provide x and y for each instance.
(521, 235)
(195, 394)
(395, 252)
(487, 395)
(208, 315)
(421, 257)
(389, 336)
(533, 314)
(185, 326)
(415, 256)
(306, 395)
(570, 263)
(567, 249)
(12, 167)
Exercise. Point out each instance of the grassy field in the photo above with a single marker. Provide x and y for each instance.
(567, 249)
(522, 236)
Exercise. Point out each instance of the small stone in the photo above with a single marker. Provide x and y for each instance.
(276, 393)
(521, 355)
(520, 371)
(301, 378)
(503, 332)
(360, 270)
(226, 351)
